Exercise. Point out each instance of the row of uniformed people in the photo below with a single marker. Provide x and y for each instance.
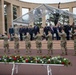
(38, 38)
(23, 30)
(33, 30)
(53, 29)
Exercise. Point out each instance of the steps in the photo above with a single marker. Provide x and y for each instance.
(56, 44)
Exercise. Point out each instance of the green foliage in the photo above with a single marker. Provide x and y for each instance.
(14, 12)
(38, 22)
(64, 19)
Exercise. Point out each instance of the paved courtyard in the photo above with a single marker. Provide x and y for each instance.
(6, 69)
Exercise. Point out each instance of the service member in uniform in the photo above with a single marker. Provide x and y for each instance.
(6, 43)
(72, 29)
(27, 43)
(38, 42)
(74, 37)
(16, 43)
(63, 42)
(49, 43)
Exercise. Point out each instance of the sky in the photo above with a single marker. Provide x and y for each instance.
(46, 1)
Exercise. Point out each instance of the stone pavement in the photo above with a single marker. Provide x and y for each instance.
(5, 69)
(56, 44)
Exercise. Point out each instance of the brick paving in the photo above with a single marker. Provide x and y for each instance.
(5, 69)
(56, 44)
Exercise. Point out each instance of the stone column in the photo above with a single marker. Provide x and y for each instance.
(9, 15)
(2, 21)
(32, 23)
(71, 18)
(43, 21)
(19, 11)
(43, 24)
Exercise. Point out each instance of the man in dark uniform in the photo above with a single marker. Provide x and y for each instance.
(55, 31)
(11, 32)
(59, 28)
(36, 29)
(67, 29)
(52, 31)
(20, 32)
(30, 30)
(25, 30)
(46, 29)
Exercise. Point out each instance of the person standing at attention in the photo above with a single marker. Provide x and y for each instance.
(74, 38)
(38, 43)
(63, 42)
(27, 43)
(49, 43)
(6, 43)
(16, 43)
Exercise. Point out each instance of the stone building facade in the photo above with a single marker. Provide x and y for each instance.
(30, 6)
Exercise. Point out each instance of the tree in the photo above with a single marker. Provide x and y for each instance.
(38, 22)
(14, 12)
(64, 19)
